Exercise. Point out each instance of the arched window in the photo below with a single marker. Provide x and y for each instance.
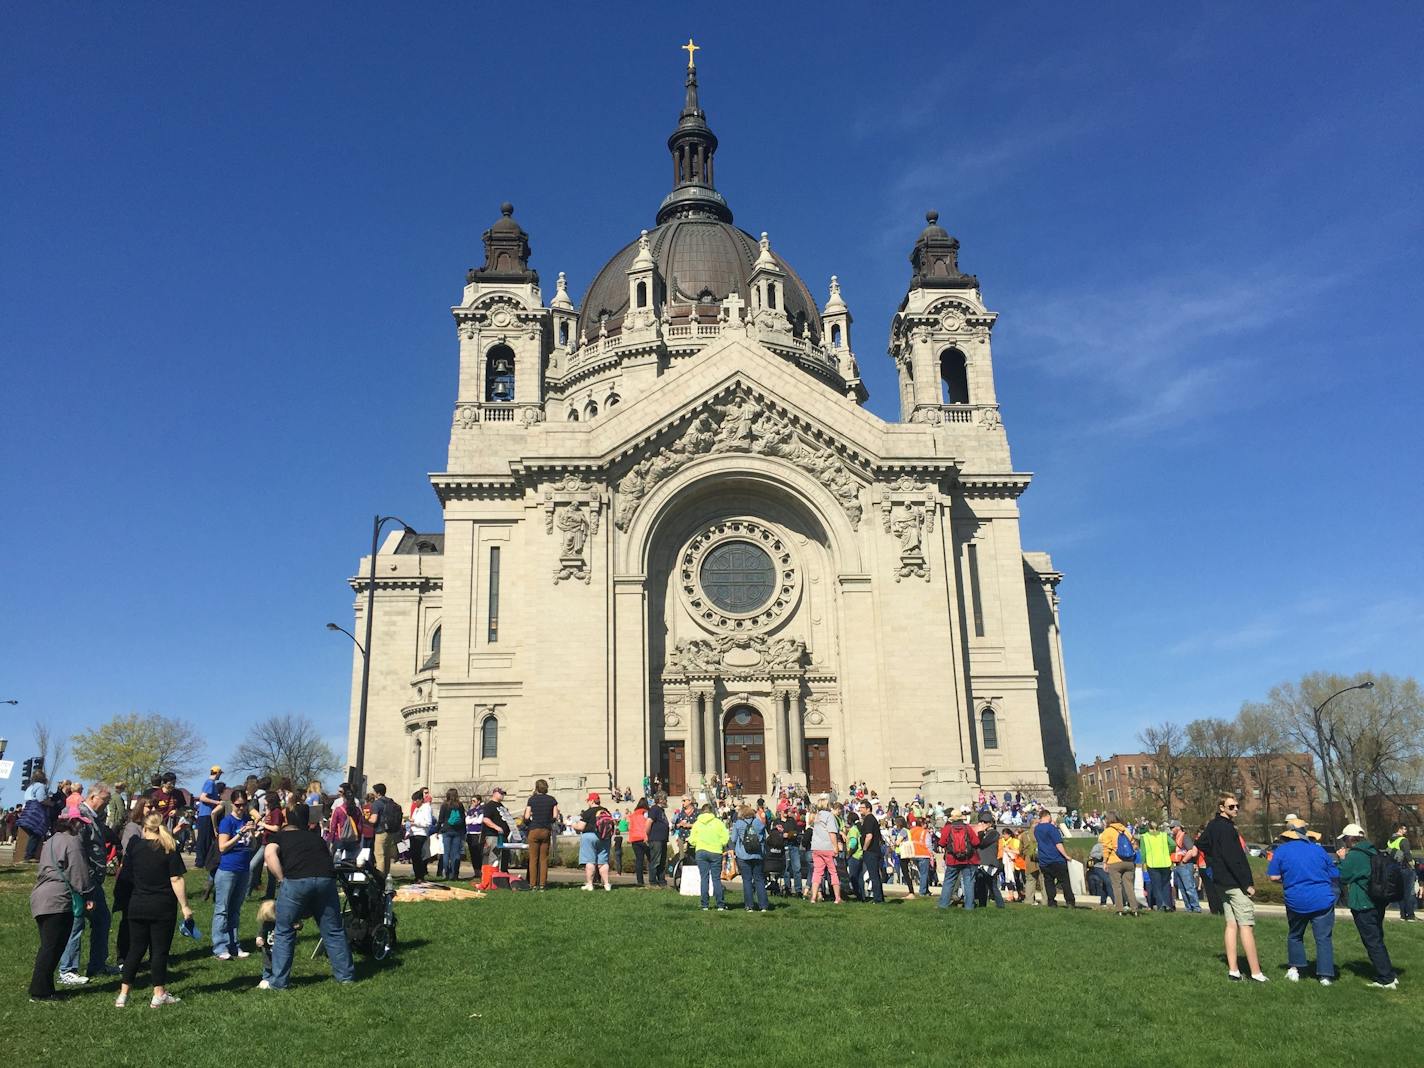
(590, 410)
(642, 294)
(612, 401)
(499, 374)
(771, 295)
(489, 738)
(417, 758)
(564, 333)
(989, 728)
(955, 375)
(433, 661)
(573, 415)
(836, 335)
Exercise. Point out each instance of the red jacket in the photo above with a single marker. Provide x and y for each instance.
(972, 840)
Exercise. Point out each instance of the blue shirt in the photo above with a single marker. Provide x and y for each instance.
(1308, 875)
(238, 856)
(36, 791)
(210, 788)
(739, 828)
(1049, 838)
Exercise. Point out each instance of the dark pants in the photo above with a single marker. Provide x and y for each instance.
(1406, 904)
(33, 842)
(1056, 875)
(154, 936)
(54, 933)
(204, 842)
(657, 874)
(855, 883)
(987, 884)
(1370, 924)
(1214, 899)
(1159, 893)
(419, 862)
(640, 861)
(875, 874)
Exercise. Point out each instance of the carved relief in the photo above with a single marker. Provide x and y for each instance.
(710, 656)
(467, 416)
(572, 505)
(739, 425)
(783, 586)
(989, 418)
(907, 511)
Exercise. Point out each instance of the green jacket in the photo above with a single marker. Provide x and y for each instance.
(853, 844)
(1156, 849)
(709, 833)
(1355, 874)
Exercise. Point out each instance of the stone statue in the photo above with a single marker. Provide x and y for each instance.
(574, 524)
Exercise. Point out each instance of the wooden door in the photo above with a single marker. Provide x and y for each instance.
(674, 767)
(818, 765)
(744, 750)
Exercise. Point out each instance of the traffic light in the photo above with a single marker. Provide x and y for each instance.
(27, 770)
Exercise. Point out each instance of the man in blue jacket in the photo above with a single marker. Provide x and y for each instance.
(1310, 880)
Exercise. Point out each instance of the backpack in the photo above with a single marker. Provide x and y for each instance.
(390, 818)
(751, 841)
(1386, 878)
(348, 832)
(604, 825)
(957, 842)
(1124, 848)
(455, 819)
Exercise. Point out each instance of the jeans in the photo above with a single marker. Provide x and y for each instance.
(640, 861)
(33, 844)
(297, 898)
(1159, 894)
(961, 875)
(1370, 924)
(255, 868)
(97, 919)
(1322, 925)
(229, 891)
(923, 864)
(1055, 875)
(1185, 878)
(855, 868)
(709, 874)
(754, 883)
(657, 863)
(875, 873)
(793, 868)
(1406, 903)
(454, 842)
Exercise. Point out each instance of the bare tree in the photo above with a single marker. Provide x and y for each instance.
(1214, 746)
(1163, 782)
(1262, 740)
(286, 747)
(52, 748)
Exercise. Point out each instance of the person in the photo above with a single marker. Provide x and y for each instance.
(595, 827)
(306, 886)
(235, 836)
(1119, 858)
(1355, 853)
(118, 813)
(451, 826)
(84, 811)
(131, 828)
(987, 880)
(708, 840)
(1157, 859)
(1221, 842)
(493, 831)
(1008, 861)
(659, 835)
(541, 819)
(1184, 866)
(961, 859)
(638, 839)
(749, 844)
(872, 844)
(388, 829)
(270, 813)
(1307, 876)
(920, 857)
(825, 841)
(854, 850)
(35, 816)
(1097, 881)
(1052, 859)
(344, 828)
(63, 891)
(791, 837)
(156, 871)
(422, 821)
(1398, 847)
(208, 798)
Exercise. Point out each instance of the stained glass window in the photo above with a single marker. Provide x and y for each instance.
(738, 576)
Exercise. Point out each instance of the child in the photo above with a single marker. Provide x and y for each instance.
(267, 917)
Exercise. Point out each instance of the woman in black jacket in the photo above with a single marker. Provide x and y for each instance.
(657, 843)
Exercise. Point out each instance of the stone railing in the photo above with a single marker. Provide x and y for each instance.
(982, 415)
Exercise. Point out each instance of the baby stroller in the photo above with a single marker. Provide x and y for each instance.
(774, 862)
(369, 914)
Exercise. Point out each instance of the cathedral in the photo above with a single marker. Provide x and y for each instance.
(676, 544)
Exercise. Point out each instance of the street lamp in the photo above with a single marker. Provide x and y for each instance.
(1368, 684)
(359, 776)
(334, 626)
(12, 701)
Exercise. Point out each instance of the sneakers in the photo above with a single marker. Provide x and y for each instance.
(242, 953)
(121, 1001)
(163, 999)
(1259, 978)
(1235, 977)
(222, 956)
(1293, 974)
(608, 887)
(1393, 984)
(263, 984)
(72, 979)
(1325, 980)
(704, 908)
(587, 886)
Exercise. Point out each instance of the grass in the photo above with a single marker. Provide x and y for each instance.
(645, 977)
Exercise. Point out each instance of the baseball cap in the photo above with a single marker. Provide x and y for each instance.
(216, 769)
(1353, 830)
(594, 798)
(497, 790)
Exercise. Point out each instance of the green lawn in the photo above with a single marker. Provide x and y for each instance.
(645, 977)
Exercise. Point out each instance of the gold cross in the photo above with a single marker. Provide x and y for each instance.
(690, 48)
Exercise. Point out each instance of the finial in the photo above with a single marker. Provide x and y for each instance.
(931, 217)
(506, 209)
(561, 284)
(690, 48)
(765, 241)
(835, 285)
(643, 239)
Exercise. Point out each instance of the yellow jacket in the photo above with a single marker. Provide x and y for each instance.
(1109, 842)
(709, 833)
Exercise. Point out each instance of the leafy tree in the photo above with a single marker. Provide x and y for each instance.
(287, 747)
(1167, 743)
(135, 747)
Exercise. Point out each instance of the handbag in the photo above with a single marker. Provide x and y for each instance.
(76, 899)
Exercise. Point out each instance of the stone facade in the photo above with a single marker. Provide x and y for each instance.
(675, 542)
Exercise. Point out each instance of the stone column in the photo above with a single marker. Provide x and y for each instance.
(712, 733)
(696, 758)
(427, 753)
(798, 736)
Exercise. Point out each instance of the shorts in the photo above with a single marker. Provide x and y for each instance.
(1240, 909)
(592, 849)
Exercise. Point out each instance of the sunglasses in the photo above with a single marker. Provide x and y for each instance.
(1233, 806)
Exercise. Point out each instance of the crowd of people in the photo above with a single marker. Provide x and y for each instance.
(1007, 849)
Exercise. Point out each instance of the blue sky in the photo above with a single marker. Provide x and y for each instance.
(227, 232)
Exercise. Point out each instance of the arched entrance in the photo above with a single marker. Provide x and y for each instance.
(744, 749)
